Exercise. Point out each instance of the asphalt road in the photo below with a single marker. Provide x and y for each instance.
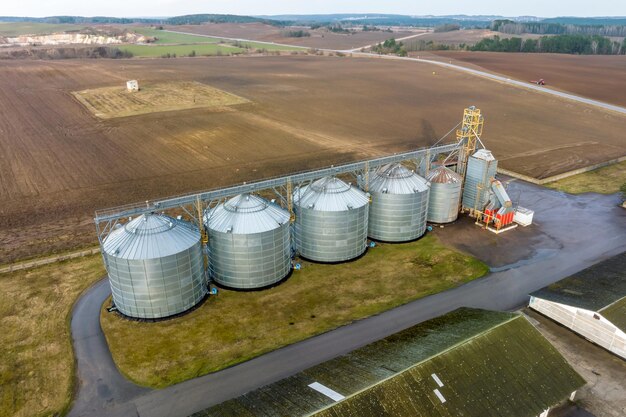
(578, 230)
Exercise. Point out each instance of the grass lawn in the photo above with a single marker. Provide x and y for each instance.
(30, 28)
(166, 37)
(180, 50)
(605, 180)
(269, 46)
(236, 326)
(37, 365)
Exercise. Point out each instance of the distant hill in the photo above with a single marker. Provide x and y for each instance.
(176, 20)
(465, 21)
(591, 21)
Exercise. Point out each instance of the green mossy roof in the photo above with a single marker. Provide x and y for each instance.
(490, 363)
(593, 288)
(616, 314)
(510, 370)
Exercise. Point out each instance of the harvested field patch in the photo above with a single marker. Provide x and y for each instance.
(111, 102)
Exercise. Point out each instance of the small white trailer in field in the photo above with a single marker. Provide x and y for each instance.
(132, 85)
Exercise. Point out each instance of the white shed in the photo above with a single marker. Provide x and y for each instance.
(132, 85)
(592, 303)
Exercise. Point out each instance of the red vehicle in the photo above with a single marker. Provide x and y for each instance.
(539, 82)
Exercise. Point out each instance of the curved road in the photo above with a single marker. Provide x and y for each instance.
(578, 231)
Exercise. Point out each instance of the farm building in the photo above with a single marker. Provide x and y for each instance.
(468, 362)
(592, 303)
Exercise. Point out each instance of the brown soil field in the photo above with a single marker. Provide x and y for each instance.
(468, 36)
(601, 77)
(320, 38)
(58, 162)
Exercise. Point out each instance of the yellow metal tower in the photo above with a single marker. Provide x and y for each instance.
(469, 133)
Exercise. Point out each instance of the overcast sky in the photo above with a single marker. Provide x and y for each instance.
(135, 8)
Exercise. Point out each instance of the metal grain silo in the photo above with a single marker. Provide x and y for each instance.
(445, 195)
(481, 168)
(249, 244)
(155, 266)
(331, 220)
(399, 204)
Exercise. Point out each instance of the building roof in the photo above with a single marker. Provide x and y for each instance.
(245, 214)
(151, 236)
(616, 314)
(594, 288)
(482, 363)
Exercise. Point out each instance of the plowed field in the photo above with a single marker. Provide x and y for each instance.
(601, 77)
(58, 162)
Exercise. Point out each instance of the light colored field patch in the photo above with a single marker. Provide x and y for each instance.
(112, 102)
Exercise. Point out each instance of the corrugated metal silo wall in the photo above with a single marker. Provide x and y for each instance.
(443, 204)
(331, 236)
(478, 173)
(398, 217)
(249, 261)
(157, 288)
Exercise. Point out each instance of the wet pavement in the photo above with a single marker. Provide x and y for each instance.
(561, 220)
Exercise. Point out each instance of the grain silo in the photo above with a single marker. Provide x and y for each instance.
(399, 204)
(445, 195)
(249, 243)
(481, 169)
(155, 266)
(331, 220)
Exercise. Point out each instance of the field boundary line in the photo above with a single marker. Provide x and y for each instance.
(560, 176)
(20, 266)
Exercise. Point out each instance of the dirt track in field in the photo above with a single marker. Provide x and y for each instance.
(58, 163)
(599, 77)
(320, 38)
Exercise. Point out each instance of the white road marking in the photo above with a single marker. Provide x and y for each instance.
(438, 394)
(437, 380)
(333, 395)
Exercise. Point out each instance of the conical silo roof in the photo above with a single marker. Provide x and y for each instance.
(151, 236)
(443, 175)
(396, 179)
(330, 194)
(246, 214)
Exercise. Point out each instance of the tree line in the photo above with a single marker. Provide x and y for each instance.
(560, 44)
(544, 28)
